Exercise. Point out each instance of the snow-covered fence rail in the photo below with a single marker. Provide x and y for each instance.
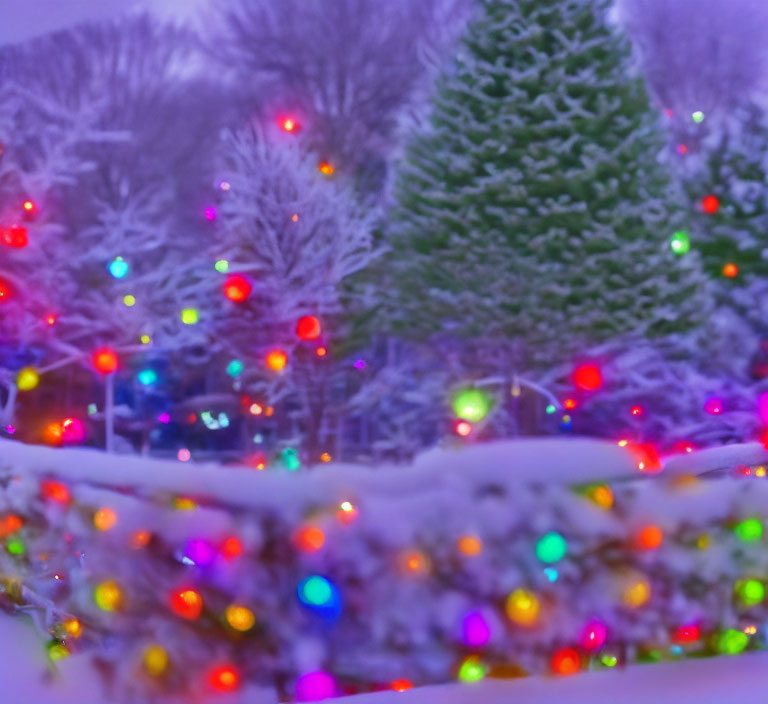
(497, 560)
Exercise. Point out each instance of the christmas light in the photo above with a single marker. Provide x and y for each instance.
(347, 513)
(29, 206)
(210, 213)
(463, 428)
(587, 377)
(190, 316)
(15, 547)
(686, 634)
(276, 360)
(105, 519)
(15, 237)
(309, 538)
(602, 495)
(223, 678)
(401, 685)
(105, 360)
(147, 377)
(50, 319)
(72, 627)
(523, 608)
(730, 271)
(73, 431)
(749, 531)
(199, 552)
(680, 243)
(289, 124)
(751, 592)
(566, 662)
(473, 669)
(222, 266)
(710, 204)
(697, 116)
(551, 548)
(682, 149)
(224, 185)
(415, 562)
(52, 435)
(570, 403)
(145, 339)
(326, 457)
(155, 660)
(237, 288)
(6, 291)
(186, 603)
(308, 328)
(550, 409)
(593, 636)
(732, 642)
(320, 595)
(315, 686)
(118, 268)
(240, 618)
(129, 300)
(636, 410)
(475, 631)
(140, 539)
(321, 351)
(9, 525)
(295, 217)
(108, 596)
(325, 168)
(235, 368)
(649, 538)
(471, 405)
(470, 545)
(636, 592)
(713, 406)
(290, 458)
(231, 548)
(27, 379)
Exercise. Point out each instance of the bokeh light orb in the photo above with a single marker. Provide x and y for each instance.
(551, 548)
(471, 405)
(276, 360)
(587, 377)
(118, 268)
(237, 288)
(105, 360)
(523, 608)
(27, 379)
(308, 327)
(315, 686)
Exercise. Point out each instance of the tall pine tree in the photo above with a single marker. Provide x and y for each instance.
(535, 209)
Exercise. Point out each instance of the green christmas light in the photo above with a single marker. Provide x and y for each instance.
(291, 459)
(749, 531)
(609, 660)
(57, 650)
(222, 266)
(15, 547)
(551, 409)
(316, 591)
(235, 368)
(750, 592)
(680, 243)
(471, 404)
(551, 548)
(472, 670)
(732, 642)
(698, 116)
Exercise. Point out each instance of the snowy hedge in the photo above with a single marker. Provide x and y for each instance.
(499, 560)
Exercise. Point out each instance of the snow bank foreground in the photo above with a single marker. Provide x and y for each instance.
(495, 561)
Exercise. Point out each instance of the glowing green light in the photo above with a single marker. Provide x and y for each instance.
(749, 531)
(750, 592)
(147, 377)
(235, 368)
(129, 300)
(92, 408)
(471, 404)
(609, 660)
(316, 591)
(15, 547)
(698, 116)
(291, 459)
(551, 409)
(222, 266)
(190, 316)
(472, 670)
(680, 243)
(57, 651)
(551, 548)
(732, 642)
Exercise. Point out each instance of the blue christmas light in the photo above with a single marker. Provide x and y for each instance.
(118, 268)
(147, 377)
(320, 596)
(235, 368)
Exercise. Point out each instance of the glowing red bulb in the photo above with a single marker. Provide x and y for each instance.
(713, 406)
(570, 403)
(636, 410)
(710, 204)
(237, 288)
(308, 328)
(6, 291)
(231, 548)
(224, 678)
(289, 124)
(401, 685)
(686, 634)
(54, 491)
(14, 236)
(463, 428)
(321, 351)
(50, 319)
(730, 271)
(186, 603)
(28, 206)
(587, 377)
(105, 360)
(566, 662)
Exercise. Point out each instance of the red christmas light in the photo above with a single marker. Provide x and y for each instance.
(14, 236)
(237, 288)
(636, 410)
(570, 404)
(686, 634)
(566, 662)
(6, 291)
(231, 548)
(730, 271)
(50, 319)
(105, 360)
(710, 204)
(224, 678)
(289, 124)
(321, 351)
(308, 328)
(276, 360)
(187, 603)
(463, 428)
(401, 685)
(649, 538)
(587, 377)
(28, 206)
(54, 491)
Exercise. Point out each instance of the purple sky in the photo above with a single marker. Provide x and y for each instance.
(21, 19)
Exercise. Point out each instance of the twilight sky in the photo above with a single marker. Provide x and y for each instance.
(21, 19)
